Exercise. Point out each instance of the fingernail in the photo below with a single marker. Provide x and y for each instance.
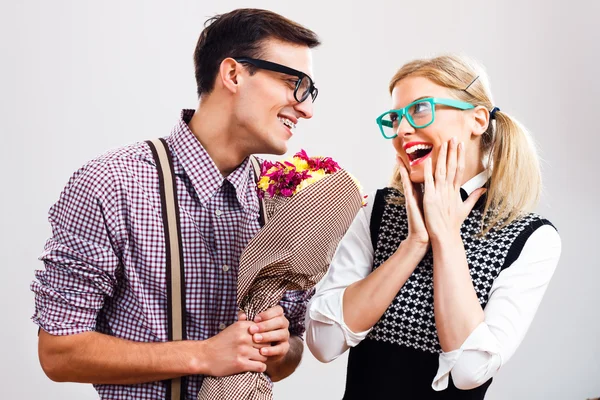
(454, 140)
(258, 337)
(257, 319)
(264, 351)
(254, 329)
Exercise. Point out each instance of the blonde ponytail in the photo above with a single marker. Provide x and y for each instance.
(515, 184)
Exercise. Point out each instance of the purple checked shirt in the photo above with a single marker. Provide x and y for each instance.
(105, 262)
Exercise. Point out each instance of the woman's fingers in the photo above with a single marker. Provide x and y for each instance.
(460, 166)
(428, 178)
(440, 168)
(452, 162)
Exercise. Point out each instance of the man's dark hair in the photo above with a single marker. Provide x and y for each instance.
(241, 33)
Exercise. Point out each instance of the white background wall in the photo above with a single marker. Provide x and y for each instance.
(80, 77)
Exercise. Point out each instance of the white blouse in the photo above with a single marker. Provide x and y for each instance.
(512, 304)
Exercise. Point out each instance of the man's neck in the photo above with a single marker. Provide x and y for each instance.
(216, 135)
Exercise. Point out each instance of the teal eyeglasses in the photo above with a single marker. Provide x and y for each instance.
(420, 114)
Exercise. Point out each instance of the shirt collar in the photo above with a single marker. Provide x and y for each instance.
(241, 178)
(475, 182)
(191, 158)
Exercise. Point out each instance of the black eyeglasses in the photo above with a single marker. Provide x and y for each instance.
(304, 86)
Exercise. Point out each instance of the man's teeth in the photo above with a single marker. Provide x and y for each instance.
(287, 122)
(412, 149)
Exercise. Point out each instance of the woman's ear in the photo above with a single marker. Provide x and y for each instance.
(480, 120)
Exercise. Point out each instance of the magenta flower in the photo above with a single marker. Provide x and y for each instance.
(283, 178)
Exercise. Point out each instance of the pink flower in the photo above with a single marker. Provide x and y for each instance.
(325, 163)
(302, 155)
(283, 178)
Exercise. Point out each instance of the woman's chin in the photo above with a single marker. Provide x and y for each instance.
(416, 175)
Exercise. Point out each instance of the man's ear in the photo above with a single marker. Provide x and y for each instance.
(480, 120)
(230, 74)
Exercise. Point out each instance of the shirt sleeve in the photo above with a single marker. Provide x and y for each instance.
(294, 303)
(513, 302)
(328, 336)
(80, 259)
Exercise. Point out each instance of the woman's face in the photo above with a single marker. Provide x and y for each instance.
(415, 145)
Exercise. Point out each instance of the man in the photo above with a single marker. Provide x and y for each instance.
(101, 300)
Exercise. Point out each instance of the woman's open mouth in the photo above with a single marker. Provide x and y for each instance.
(417, 152)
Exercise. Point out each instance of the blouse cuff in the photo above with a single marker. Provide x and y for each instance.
(330, 311)
(480, 340)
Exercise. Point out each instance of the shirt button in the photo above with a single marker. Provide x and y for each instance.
(218, 213)
(222, 326)
(225, 268)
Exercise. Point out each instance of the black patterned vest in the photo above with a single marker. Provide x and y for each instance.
(399, 357)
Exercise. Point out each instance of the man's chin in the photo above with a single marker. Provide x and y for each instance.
(277, 149)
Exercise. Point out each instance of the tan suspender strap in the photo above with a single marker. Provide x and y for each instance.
(174, 254)
(257, 170)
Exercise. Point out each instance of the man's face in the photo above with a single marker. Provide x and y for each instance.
(266, 111)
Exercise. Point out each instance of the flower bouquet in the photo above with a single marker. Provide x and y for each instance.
(308, 205)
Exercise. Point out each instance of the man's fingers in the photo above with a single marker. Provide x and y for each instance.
(255, 355)
(269, 314)
(280, 322)
(273, 336)
(277, 350)
(255, 366)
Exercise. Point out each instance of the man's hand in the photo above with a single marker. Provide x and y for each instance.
(282, 351)
(271, 328)
(233, 351)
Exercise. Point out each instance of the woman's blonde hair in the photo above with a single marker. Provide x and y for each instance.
(515, 181)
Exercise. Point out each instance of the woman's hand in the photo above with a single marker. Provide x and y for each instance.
(443, 207)
(417, 237)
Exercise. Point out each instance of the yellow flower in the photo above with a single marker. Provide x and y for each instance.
(314, 177)
(263, 183)
(300, 164)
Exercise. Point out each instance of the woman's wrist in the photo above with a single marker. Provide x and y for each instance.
(413, 247)
(445, 240)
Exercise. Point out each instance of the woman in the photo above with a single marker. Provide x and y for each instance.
(438, 279)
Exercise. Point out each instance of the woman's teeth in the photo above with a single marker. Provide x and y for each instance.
(412, 149)
(418, 151)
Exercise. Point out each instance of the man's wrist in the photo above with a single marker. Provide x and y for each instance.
(198, 364)
(282, 367)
